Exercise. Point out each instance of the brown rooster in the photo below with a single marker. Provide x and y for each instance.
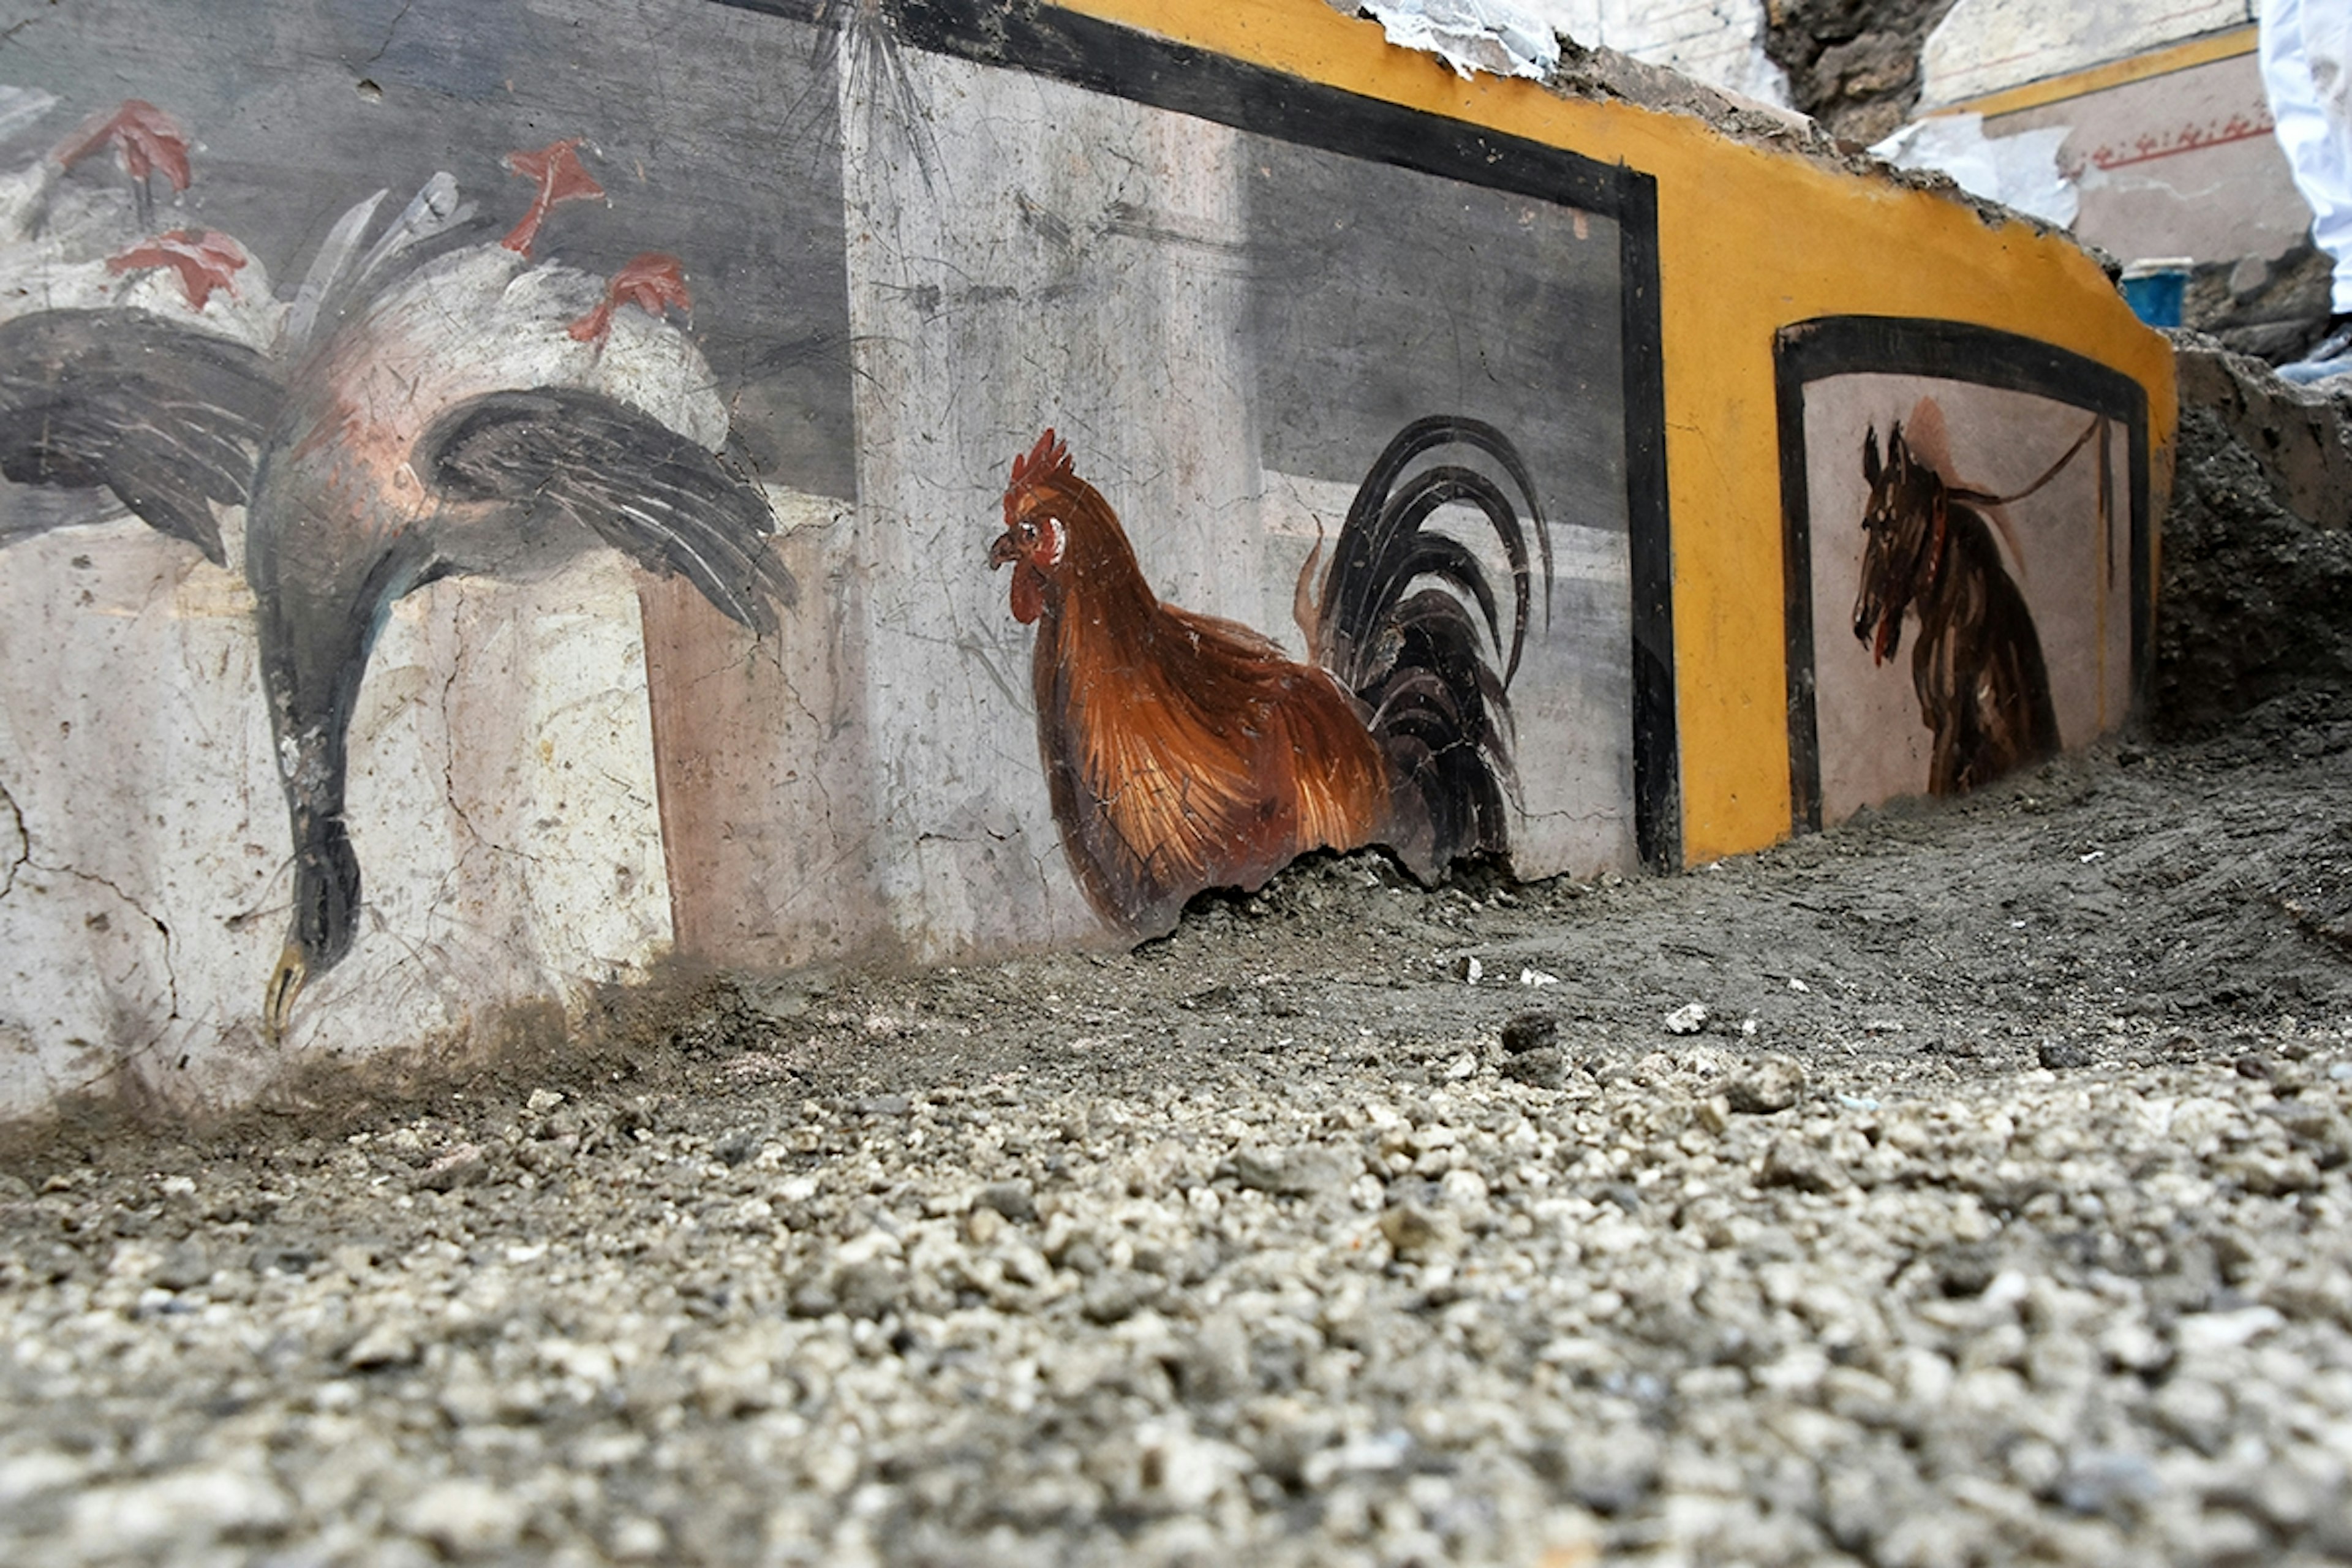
(1184, 751)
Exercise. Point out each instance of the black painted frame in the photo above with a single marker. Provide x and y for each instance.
(1948, 351)
(1102, 56)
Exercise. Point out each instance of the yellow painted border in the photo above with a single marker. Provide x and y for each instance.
(2114, 73)
(1751, 239)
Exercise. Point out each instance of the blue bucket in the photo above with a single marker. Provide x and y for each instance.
(2154, 290)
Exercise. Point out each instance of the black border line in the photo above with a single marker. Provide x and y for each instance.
(1116, 60)
(1106, 58)
(1950, 351)
(1657, 762)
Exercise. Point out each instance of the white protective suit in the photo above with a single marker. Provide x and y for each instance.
(2306, 60)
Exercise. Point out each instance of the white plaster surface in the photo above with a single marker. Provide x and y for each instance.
(1987, 46)
(502, 802)
(134, 749)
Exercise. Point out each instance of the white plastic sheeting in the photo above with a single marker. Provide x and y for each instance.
(1472, 36)
(2019, 171)
(1719, 42)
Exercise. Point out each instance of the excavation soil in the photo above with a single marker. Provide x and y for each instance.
(1989, 1206)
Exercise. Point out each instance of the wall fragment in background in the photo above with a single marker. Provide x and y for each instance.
(1987, 46)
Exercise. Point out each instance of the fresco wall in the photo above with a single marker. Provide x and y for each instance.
(501, 505)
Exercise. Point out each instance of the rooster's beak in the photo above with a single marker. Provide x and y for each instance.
(1003, 553)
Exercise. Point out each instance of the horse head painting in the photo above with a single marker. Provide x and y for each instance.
(1929, 549)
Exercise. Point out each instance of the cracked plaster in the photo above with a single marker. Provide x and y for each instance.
(512, 841)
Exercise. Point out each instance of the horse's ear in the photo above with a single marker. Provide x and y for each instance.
(1870, 458)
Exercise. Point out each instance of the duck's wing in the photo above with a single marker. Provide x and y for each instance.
(666, 502)
(166, 416)
(26, 510)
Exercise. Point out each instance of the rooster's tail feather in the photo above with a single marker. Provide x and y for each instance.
(1409, 621)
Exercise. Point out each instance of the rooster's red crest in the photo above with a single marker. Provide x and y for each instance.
(1048, 460)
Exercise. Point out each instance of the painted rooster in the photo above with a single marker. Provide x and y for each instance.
(1184, 753)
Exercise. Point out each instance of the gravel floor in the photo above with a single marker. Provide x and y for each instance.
(1994, 1211)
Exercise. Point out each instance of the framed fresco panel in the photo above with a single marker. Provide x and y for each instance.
(1229, 294)
(1966, 556)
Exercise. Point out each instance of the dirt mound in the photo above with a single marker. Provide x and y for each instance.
(2257, 545)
